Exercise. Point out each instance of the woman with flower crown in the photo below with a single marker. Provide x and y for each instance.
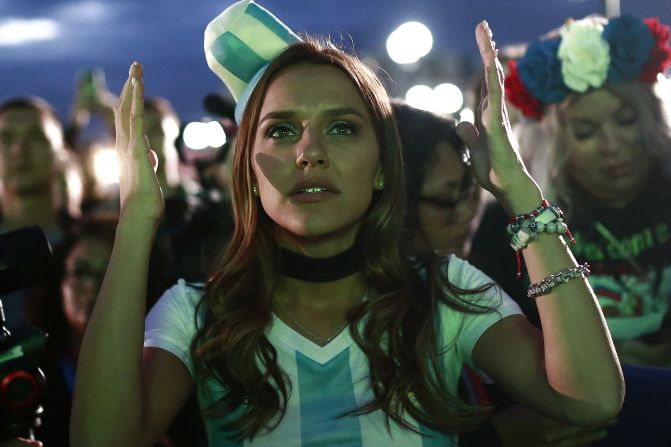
(595, 134)
(314, 328)
(597, 137)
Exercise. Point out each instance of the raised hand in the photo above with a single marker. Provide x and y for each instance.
(496, 161)
(140, 193)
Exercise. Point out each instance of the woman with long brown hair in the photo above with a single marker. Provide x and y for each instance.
(315, 328)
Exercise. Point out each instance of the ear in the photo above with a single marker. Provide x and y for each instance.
(378, 184)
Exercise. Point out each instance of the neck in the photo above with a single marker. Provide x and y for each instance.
(342, 293)
(320, 269)
(39, 210)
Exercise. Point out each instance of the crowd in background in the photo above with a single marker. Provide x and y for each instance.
(604, 156)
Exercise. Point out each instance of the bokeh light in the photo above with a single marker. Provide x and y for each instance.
(105, 166)
(420, 96)
(447, 98)
(199, 135)
(18, 31)
(409, 42)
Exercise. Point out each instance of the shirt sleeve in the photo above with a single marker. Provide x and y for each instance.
(464, 329)
(171, 325)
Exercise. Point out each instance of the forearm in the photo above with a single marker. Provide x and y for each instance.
(580, 359)
(107, 405)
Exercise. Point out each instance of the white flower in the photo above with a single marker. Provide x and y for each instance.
(584, 55)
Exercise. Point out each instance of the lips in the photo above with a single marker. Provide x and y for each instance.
(618, 170)
(313, 186)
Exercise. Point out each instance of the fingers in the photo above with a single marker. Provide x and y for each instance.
(137, 136)
(468, 134)
(122, 111)
(492, 89)
(483, 35)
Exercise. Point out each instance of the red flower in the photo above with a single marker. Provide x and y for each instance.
(660, 56)
(519, 96)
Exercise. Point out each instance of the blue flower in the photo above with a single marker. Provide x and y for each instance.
(540, 71)
(631, 42)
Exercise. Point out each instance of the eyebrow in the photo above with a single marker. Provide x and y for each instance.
(337, 111)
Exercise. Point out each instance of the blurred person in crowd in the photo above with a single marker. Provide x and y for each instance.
(36, 179)
(443, 194)
(442, 206)
(163, 127)
(92, 114)
(39, 181)
(180, 193)
(600, 138)
(83, 271)
(211, 222)
(32, 154)
(316, 326)
(90, 135)
(596, 136)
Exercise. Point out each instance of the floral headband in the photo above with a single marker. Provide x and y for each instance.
(587, 54)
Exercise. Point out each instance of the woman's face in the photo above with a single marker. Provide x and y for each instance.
(448, 203)
(606, 156)
(85, 267)
(315, 158)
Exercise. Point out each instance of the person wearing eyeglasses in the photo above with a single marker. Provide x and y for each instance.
(443, 195)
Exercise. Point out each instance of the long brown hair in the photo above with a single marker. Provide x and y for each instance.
(399, 337)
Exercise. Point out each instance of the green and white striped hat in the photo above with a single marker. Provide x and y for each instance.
(240, 43)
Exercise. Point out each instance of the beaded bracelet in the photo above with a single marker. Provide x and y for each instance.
(520, 217)
(549, 221)
(524, 228)
(553, 280)
(550, 214)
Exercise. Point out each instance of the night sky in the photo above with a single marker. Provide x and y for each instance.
(167, 37)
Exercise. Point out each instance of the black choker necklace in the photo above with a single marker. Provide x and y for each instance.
(309, 269)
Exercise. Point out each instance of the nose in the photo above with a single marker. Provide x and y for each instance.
(311, 150)
(609, 143)
(19, 147)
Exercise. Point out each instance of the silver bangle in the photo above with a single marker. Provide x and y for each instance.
(553, 280)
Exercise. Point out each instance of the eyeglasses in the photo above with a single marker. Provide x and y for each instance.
(84, 273)
(468, 185)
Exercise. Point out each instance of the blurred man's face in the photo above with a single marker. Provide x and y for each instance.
(28, 139)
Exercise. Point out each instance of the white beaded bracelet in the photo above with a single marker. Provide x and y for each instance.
(553, 280)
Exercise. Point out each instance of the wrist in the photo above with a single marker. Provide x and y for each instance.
(522, 200)
(137, 229)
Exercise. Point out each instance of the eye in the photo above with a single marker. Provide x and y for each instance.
(439, 202)
(5, 139)
(583, 131)
(626, 117)
(342, 128)
(282, 130)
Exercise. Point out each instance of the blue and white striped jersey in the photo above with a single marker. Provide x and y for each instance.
(330, 380)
